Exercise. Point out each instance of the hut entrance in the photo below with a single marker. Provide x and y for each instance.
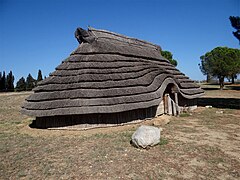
(170, 100)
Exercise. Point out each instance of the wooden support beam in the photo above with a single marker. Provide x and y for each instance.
(169, 105)
(174, 109)
(176, 103)
(165, 100)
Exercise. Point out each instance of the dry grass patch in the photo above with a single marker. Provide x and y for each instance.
(203, 145)
(229, 91)
(222, 93)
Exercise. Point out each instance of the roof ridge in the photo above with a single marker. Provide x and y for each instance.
(122, 36)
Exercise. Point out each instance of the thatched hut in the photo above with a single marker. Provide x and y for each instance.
(110, 78)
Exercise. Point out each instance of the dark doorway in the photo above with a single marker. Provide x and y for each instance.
(170, 98)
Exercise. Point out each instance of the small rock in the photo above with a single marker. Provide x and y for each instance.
(146, 136)
(220, 165)
(219, 112)
(208, 106)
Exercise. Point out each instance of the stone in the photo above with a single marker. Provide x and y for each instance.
(146, 136)
(208, 106)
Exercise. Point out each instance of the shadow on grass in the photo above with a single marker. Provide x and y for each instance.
(209, 89)
(231, 103)
(33, 125)
(237, 88)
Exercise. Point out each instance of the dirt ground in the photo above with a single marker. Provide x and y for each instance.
(204, 144)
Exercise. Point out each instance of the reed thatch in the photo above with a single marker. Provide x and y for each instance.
(108, 73)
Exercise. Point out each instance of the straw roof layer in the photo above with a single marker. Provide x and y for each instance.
(107, 73)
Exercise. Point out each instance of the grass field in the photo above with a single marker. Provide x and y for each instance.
(201, 145)
(229, 91)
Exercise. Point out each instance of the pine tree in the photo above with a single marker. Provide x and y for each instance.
(0, 81)
(10, 82)
(21, 84)
(235, 21)
(30, 82)
(3, 82)
(168, 55)
(39, 78)
(221, 62)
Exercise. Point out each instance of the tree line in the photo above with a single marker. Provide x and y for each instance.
(7, 82)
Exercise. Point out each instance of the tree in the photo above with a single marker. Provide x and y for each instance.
(21, 84)
(0, 81)
(10, 82)
(30, 82)
(221, 62)
(39, 78)
(235, 21)
(3, 82)
(234, 57)
(204, 67)
(168, 55)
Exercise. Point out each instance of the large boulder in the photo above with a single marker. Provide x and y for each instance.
(146, 136)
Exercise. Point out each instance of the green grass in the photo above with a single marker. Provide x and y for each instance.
(163, 142)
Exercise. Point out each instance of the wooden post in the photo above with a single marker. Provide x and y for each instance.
(174, 109)
(165, 101)
(169, 105)
(176, 103)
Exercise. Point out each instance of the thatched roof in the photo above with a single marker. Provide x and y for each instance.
(107, 73)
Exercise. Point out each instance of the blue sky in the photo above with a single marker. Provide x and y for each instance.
(39, 34)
